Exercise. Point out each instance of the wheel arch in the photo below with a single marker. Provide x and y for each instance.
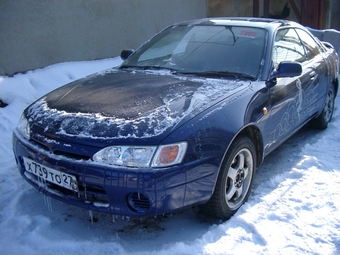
(336, 85)
(250, 132)
(255, 135)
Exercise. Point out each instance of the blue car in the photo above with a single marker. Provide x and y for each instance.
(185, 120)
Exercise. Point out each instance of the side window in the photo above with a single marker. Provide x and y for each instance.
(312, 48)
(287, 47)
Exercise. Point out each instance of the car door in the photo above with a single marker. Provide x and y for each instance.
(315, 63)
(288, 96)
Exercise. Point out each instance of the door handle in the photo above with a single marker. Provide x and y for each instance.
(312, 75)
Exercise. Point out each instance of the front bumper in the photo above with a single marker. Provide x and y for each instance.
(120, 190)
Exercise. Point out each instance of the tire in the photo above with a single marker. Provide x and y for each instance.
(321, 122)
(234, 181)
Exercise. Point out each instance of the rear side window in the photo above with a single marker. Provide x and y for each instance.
(311, 47)
(287, 47)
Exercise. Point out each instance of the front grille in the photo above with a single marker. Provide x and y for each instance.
(38, 141)
(71, 155)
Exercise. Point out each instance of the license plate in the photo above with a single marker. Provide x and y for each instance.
(60, 178)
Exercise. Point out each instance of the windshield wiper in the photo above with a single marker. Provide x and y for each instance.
(219, 74)
(148, 67)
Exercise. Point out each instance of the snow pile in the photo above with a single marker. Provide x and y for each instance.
(293, 209)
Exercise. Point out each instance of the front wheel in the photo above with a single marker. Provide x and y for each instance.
(234, 180)
(325, 117)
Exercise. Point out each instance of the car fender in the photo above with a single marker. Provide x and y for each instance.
(216, 128)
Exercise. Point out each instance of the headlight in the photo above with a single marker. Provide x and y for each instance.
(133, 156)
(24, 127)
(142, 156)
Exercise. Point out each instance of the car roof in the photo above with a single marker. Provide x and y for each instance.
(267, 23)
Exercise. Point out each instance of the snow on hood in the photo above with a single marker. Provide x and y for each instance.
(124, 104)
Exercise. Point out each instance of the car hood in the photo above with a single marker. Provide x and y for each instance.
(125, 104)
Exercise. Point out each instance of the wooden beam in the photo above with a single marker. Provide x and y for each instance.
(256, 8)
(266, 8)
(320, 23)
(295, 9)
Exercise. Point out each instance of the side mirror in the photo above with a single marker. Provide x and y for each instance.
(287, 69)
(126, 53)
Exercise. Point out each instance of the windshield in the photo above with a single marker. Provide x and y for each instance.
(203, 49)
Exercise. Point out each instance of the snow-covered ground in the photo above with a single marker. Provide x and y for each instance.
(294, 207)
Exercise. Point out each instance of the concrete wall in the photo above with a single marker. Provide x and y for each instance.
(37, 33)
